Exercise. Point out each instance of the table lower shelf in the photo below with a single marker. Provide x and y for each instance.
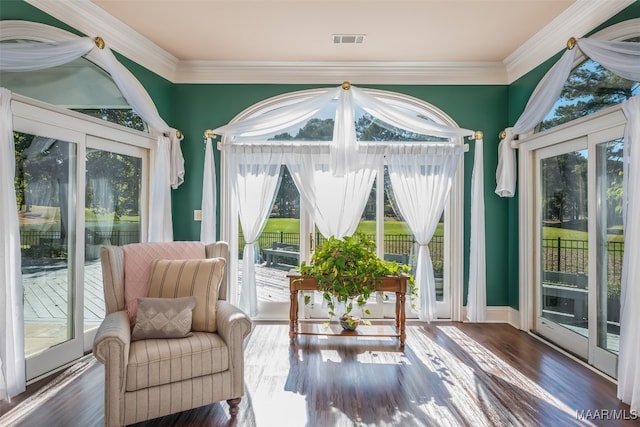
(306, 327)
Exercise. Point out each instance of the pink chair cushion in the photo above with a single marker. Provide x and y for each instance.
(138, 258)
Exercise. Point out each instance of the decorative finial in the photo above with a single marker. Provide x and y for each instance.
(478, 134)
(99, 42)
(178, 134)
(209, 134)
(502, 135)
(346, 85)
(571, 43)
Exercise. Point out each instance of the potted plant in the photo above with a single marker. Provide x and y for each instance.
(347, 271)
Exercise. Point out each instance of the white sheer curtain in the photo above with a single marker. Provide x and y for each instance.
(160, 222)
(628, 361)
(209, 196)
(477, 292)
(421, 176)
(20, 57)
(12, 369)
(336, 202)
(622, 58)
(254, 172)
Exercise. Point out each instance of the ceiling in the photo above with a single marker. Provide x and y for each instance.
(245, 30)
(418, 41)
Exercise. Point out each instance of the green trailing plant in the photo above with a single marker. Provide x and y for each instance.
(347, 271)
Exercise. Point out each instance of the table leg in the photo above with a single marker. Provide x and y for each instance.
(403, 318)
(293, 315)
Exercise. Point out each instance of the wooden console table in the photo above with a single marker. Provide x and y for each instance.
(386, 284)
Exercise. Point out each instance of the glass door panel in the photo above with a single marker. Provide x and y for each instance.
(563, 302)
(46, 182)
(610, 243)
(581, 246)
(609, 250)
(278, 250)
(113, 186)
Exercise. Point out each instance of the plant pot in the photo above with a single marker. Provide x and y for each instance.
(349, 323)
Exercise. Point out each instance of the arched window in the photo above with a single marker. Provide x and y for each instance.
(288, 236)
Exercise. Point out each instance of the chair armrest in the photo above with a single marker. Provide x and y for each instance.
(233, 324)
(111, 347)
(111, 344)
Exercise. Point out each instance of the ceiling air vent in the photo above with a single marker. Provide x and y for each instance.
(348, 38)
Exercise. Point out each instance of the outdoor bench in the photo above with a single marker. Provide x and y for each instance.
(282, 254)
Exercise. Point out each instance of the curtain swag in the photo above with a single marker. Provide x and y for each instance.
(20, 57)
(334, 181)
(622, 58)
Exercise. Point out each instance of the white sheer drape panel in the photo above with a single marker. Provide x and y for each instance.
(12, 368)
(160, 217)
(628, 361)
(506, 172)
(30, 56)
(340, 201)
(336, 203)
(209, 195)
(300, 162)
(421, 176)
(344, 149)
(477, 291)
(621, 58)
(35, 55)
(254, 173)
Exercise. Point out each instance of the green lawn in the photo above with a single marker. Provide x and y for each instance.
(568, 234)
(292, 225)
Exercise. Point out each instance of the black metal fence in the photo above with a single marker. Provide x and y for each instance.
(572, 256)
(393, 243)
(50, 244)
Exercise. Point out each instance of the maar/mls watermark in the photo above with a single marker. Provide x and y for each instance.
(607, 414)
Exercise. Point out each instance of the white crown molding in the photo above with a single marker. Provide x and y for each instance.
(337, 72)
(92, 21)
(580, 18)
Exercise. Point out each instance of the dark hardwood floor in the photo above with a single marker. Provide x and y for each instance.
(450, 374)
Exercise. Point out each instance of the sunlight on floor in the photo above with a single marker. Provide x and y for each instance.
(493, 366)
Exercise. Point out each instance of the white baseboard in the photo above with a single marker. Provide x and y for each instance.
(499, 314)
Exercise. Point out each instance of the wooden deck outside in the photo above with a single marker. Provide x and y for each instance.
(46, 299)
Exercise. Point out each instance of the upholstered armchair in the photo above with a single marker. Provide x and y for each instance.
(161, 358)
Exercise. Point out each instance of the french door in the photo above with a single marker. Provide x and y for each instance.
(579, 241)
(290, 237)
(75, 192)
